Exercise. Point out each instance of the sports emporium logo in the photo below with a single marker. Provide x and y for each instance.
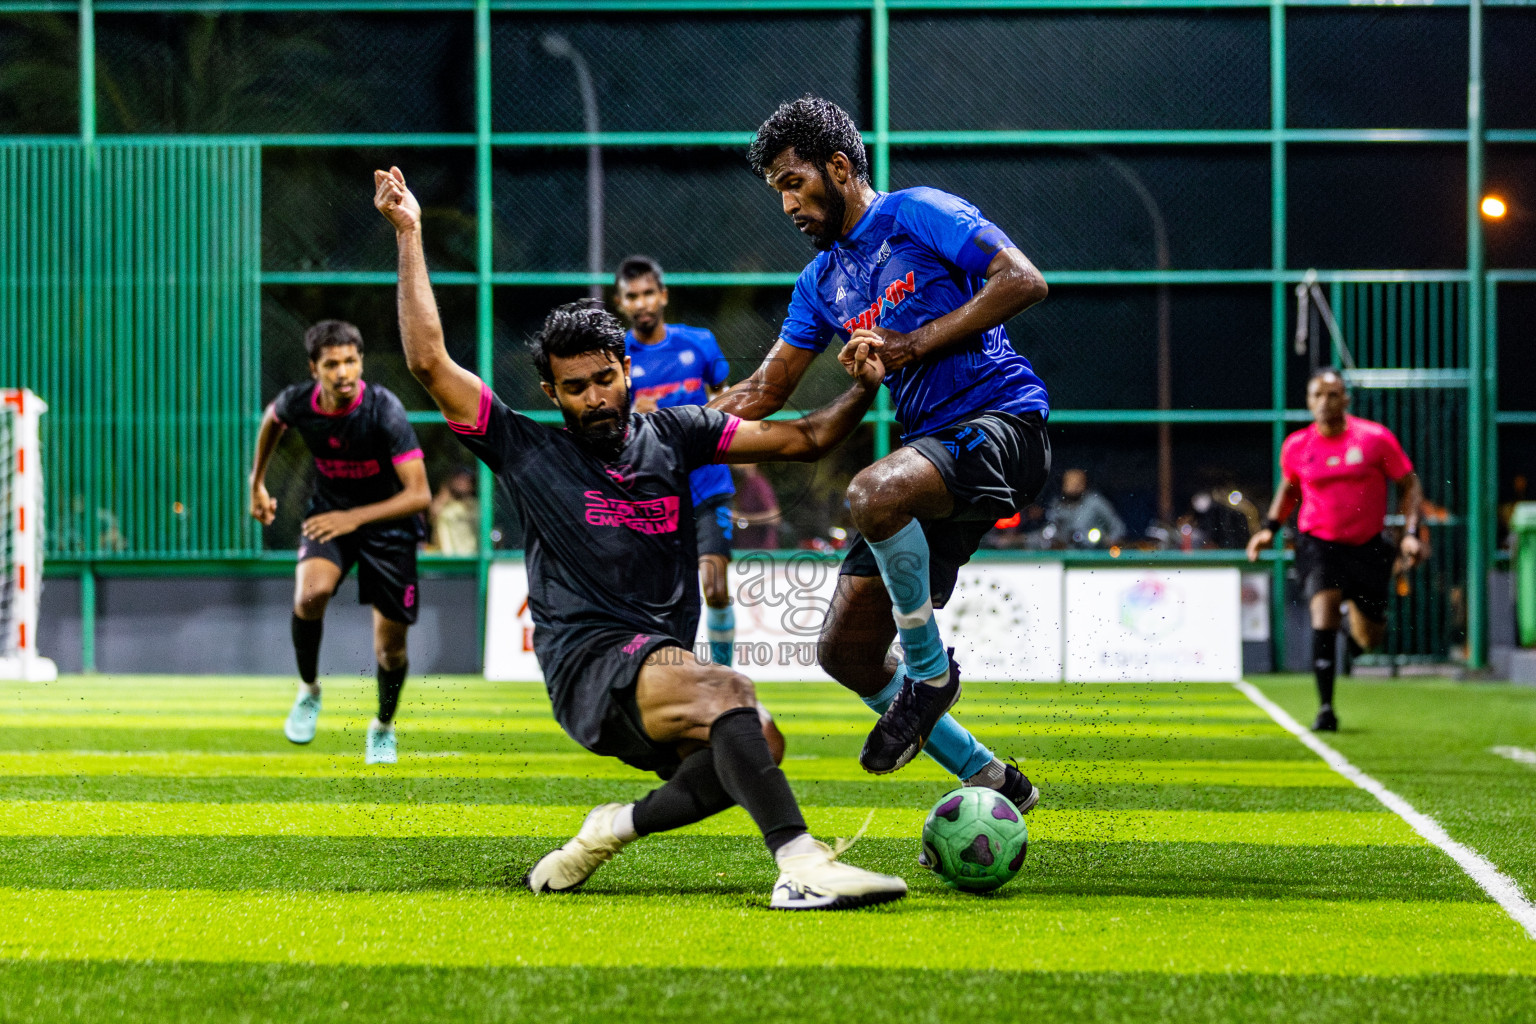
(1151, 608)
(654, 515)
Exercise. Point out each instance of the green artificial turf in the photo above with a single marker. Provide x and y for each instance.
(165, 855)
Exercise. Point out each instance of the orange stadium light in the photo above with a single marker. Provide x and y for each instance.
(1494, 207)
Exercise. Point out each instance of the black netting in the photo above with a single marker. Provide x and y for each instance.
(1509, 87)
(39, 74)
(665, 72)
(317, 208)
(1185, 69)
(1376, 68)
(691, 209)
(1517, 469)
(1516, 325)
(1510, 173)
(1377, 206)
(288, 72)
(288, 310)
(1096, 347)
(1121, 462)
(1078, 209)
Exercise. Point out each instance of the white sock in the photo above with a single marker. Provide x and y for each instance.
(802, 843)
(624, 823)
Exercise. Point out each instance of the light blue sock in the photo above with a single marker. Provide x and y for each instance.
(950, 743)
(721, 624)
(903, 561)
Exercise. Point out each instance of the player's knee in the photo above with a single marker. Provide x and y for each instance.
(310, 604)
(731, 690)
(875, 499)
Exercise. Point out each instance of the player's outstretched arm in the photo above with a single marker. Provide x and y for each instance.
(1013, 285)
(813, 435)
(455, 390)
(1287, 497)
(765, 392)
(263, 505)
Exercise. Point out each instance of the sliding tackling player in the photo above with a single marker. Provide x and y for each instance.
(928, 281)
(1337, 470)
(370, 485)
(613, 578)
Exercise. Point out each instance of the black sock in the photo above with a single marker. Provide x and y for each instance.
(692, 794)
(391, 680)
(748, 774)
(1324, 642)
(306, 645)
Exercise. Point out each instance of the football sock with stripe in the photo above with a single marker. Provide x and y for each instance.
(721, 624)
(950, 743)
(903, 561)
(1324, 651)
(391, 682)
(692, 794)
(306, 646)
(747, 772)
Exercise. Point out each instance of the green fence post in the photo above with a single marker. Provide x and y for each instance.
(485, 362)
(88, 618)
(1478, 520)
(1278, 338)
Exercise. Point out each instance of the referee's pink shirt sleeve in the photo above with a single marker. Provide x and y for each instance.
(1395, 460)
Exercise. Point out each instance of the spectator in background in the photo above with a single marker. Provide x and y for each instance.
(1083, 518)
(757, 509)
(455, 514)
(1218, 519)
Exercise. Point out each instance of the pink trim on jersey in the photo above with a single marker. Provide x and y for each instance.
(1344, 479)
(280, 421)
(726, 433)
(314, 400)
(482, 417)
(414, 453)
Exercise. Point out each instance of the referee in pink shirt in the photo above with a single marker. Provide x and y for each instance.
(1337, 470)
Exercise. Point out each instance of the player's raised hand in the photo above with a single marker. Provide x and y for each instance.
(263, 505)
(394, 200)
(861, 358)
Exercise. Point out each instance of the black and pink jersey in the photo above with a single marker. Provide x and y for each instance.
(356, 450)
(610, 545)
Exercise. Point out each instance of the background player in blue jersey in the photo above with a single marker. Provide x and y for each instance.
(674, 364)
(925, 277)
(370, 484)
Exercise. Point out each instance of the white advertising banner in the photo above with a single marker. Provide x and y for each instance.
(1129, 625)
(1005, 621)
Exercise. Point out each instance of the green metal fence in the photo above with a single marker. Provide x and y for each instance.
(1087, 127)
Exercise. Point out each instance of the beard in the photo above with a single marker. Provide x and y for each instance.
(602, 433)
(832, 224)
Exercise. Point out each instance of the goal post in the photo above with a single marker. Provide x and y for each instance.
(21, 537)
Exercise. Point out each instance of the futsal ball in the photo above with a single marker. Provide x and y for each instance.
(974, 839)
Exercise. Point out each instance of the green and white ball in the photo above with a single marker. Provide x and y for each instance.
(974, 839)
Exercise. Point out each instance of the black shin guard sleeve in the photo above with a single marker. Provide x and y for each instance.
(306, 645)
(1324, 644)
(692, 794)
(391, 680)
(747, 772)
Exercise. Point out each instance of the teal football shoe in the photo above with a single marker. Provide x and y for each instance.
(302, 718)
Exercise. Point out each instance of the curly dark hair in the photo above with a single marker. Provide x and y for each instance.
(815, 128)
(328, 334)
(575, 328)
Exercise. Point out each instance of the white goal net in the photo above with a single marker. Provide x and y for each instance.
(21, 536)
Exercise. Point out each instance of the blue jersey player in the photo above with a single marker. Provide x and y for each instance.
(674, 364)
(923, 276)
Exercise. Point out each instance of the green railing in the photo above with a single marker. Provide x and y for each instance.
(884, 23)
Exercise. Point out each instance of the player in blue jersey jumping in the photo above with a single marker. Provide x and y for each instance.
(674, 364)
(925, 277)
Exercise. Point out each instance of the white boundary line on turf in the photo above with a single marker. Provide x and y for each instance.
(1504, 890)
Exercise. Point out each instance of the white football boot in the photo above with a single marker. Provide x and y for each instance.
(816, 880)
(569, 867)
(380, 745)
(302, 717)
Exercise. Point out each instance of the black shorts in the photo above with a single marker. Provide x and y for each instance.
(386, 568)
(994, 464)
(712, 523)
(593, 697)
(1362, 571)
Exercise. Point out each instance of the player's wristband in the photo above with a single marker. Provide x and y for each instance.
(1274, 526)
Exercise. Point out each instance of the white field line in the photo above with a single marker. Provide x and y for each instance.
(1504, 890)
(1516, 754)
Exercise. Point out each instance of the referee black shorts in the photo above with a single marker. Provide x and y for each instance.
(994, 464)
(1363, 572)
